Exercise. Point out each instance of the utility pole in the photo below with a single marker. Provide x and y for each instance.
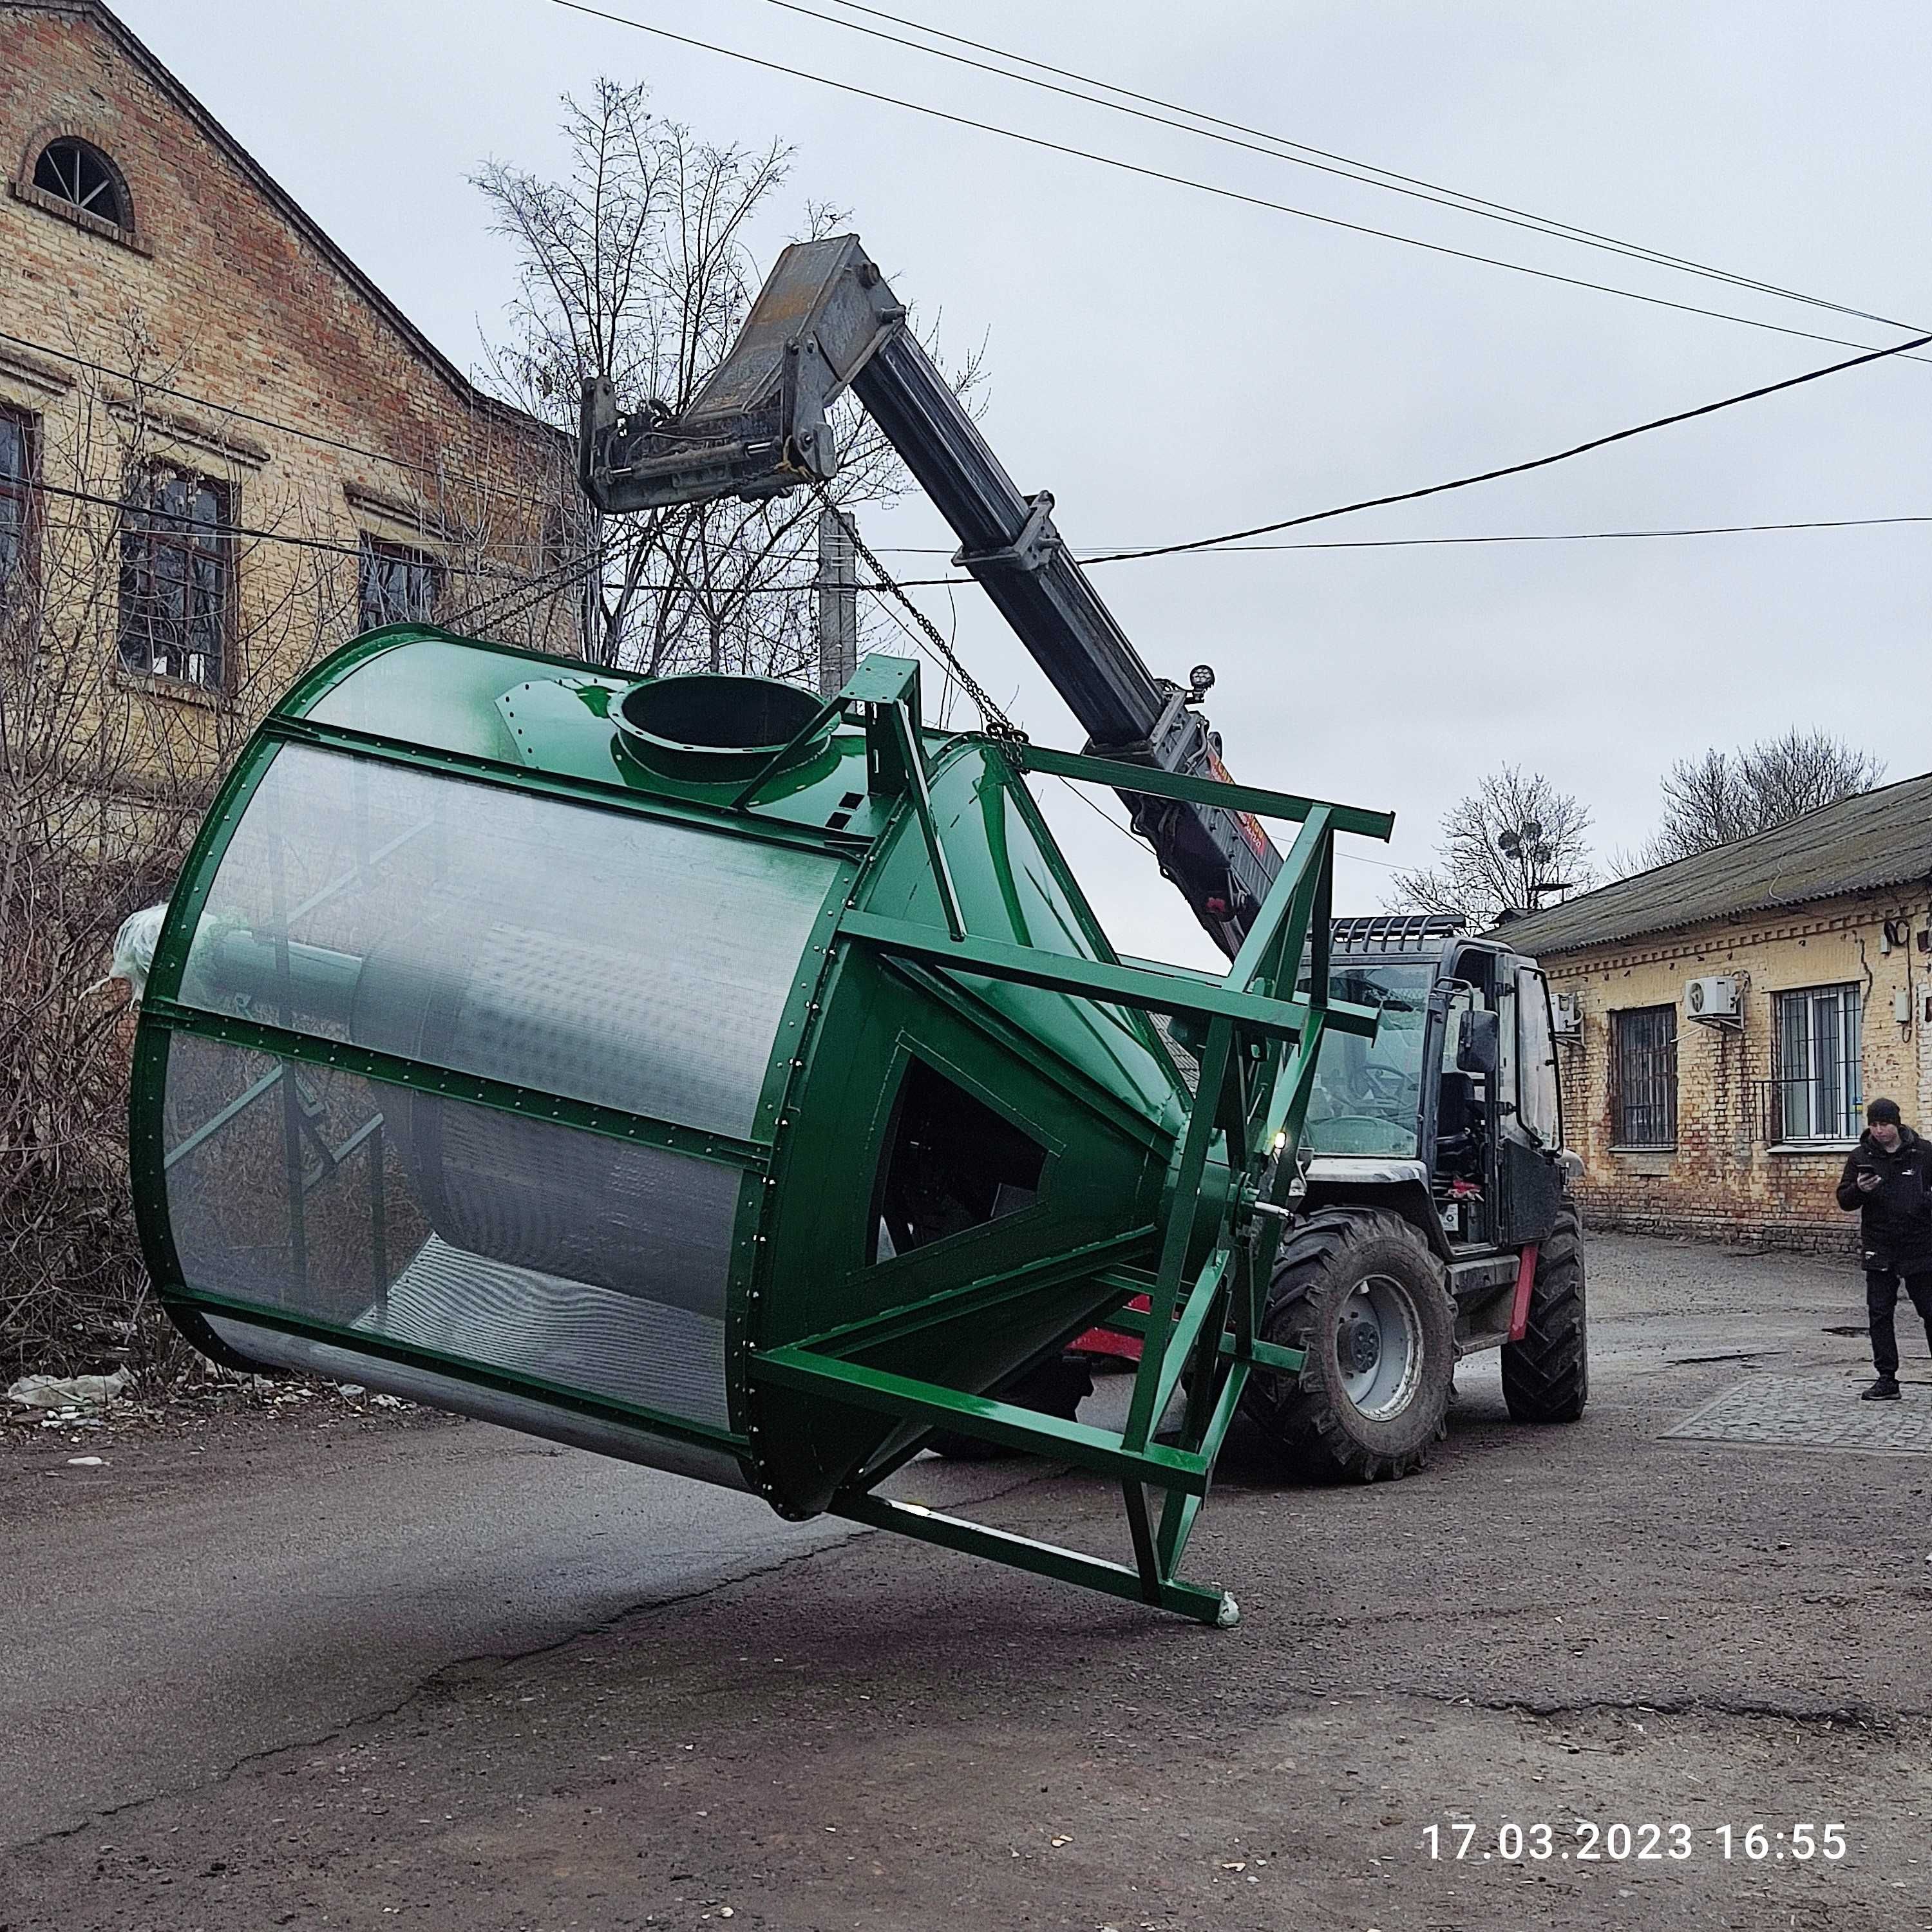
(838, 602)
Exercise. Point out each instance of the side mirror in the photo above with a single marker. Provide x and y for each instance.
(1480, 1050)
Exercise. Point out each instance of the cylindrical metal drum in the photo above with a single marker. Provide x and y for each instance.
(507, 1046)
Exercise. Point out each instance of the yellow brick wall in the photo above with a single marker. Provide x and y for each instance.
(1728, 1177)
(216, 293)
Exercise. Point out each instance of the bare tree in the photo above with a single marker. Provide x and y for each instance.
(1513, 845)
(637, 265)
(120, 713)
(1725, 795)
(102, 783)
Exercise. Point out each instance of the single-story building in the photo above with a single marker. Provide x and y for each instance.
(1725, 1017)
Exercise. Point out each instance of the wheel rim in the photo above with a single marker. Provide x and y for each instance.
(1378, 1346)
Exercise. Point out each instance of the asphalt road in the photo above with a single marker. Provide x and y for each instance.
(452, 1677)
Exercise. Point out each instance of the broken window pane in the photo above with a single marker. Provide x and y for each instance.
(177, 575)
(398, 585)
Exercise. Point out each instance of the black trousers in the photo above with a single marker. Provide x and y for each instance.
(1881, 1297)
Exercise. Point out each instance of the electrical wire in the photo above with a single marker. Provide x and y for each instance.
(1438, 543)
(228, 412)
(1340, 166)
(1135, 168)
(254, 534)
(1519, 469)
(1098, 552)
(186, 526)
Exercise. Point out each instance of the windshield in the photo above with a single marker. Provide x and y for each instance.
(1367, 1094)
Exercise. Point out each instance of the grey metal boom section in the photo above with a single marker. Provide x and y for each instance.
(826, 321)
(1008, 542)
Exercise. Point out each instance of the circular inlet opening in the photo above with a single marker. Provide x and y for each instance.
(703, 726)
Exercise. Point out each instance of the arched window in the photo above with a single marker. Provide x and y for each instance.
(82, 176)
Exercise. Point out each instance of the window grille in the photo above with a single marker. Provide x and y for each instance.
(1644, 1106)
(397, 585)
(83, 178)
(177, 577)
(18, 464)
(1820, 1044)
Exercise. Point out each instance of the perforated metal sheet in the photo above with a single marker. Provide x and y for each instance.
(272, 1347)
(597, 955)
(522, 1246)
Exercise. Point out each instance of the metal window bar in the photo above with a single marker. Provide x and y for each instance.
(177, 562)
(1820, 1076)
(17, 485)
(397, 585)
(1646, 1077)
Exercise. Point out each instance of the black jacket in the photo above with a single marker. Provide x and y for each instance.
(1897, 1227)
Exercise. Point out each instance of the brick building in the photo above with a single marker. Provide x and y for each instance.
(1725, 1017)
(222, 450)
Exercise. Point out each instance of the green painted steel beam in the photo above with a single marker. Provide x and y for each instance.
(1263, 1354)
(1124, 985)
(209, 1128)
(1186, 1328)
(1177, 1518)
(1203, 1604)
(1152, 784)
(986, 1291)
(779, 759)
(392, 1070)
(1006, 1423)
(1158, 1343)
(918, 783)
(611, 797)
(1290, 900)
(1038, 1053)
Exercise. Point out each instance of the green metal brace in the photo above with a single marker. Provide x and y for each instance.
(1251, 1095)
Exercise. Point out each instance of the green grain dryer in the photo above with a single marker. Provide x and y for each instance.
(706, 1076)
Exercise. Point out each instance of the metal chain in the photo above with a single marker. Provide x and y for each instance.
(998, 725)
(534, 590)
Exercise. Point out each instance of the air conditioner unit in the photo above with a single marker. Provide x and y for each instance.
(1566, 1015)
(1716, 999)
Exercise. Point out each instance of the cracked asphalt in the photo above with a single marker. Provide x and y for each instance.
(450, 1677)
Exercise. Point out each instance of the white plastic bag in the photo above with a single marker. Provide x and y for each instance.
(68, 1391)
(134, 948)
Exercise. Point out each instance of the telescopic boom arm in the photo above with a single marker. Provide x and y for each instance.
(825, 321)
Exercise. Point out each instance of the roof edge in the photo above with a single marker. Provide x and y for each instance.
(1640, 928)
(292, 210)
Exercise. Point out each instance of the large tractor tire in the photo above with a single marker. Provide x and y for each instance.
(1360, 1294)
(1546, 1375)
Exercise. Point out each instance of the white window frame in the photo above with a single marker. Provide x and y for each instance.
(1815, 1105)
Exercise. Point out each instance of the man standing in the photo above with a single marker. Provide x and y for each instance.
(1888, 1180)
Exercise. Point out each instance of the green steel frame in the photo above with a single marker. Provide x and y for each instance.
(1202, 1327)
(1256, 1069)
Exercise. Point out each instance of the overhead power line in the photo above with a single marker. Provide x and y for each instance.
(254, 534)
(1519, 469)
(1103, 553)
(1298, 154)
(228, 412)
(522, 579)
(1145, 172)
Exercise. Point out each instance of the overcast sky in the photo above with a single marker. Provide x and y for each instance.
(1170, 364)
